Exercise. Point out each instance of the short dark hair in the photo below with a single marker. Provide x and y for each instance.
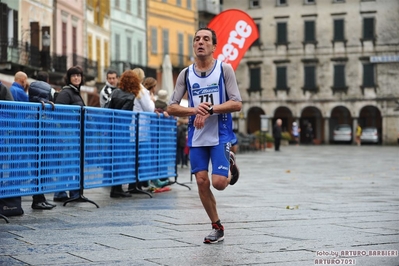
(214, 39)
(42, 76)
(111, 71)
(74, 70)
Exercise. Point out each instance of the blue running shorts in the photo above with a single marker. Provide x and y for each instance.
(219, 156)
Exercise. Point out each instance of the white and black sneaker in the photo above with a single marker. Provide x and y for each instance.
(216, 235)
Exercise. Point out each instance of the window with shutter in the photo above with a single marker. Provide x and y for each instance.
(310, 32)
(117, 47)
(339, 30)
(339, 79)
(140, 52)
(165, 41)
(190, 45)
(255, 80)
(282, 33)
(257, 42)
(368, 76)
(154, 41)
(129, 49)
(281, 78)
(106, 54)
(90, 46)
(181, 48)
(310, 78)
(368, 29)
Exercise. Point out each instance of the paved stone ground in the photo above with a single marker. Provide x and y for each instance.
(294, 207)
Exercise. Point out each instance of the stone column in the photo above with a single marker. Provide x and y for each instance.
(326, 130)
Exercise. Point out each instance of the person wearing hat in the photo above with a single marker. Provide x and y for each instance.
(295, 132)
(162, 101)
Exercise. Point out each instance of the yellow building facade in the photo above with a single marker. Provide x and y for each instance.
(171, 25)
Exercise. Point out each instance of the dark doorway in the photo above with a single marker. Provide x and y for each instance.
(312, 115)
(253, 119)
(339, 115)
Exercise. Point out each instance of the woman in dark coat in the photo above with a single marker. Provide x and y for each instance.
(70, 94)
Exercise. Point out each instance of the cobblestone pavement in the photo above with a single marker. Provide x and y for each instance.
(305, 205)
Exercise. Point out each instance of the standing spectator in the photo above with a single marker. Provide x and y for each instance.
(358, 134)
(277, 134)
(295, 132)
(150, 84)
(309, 134)
(41, 91)
(18, 88)
(110, 86)
(5, 94)
(161, 102)
(70, 94)
(210, 127)
(19, 94)
(16, 202)
(129, 85)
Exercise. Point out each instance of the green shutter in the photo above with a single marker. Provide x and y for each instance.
(281, 78)
(368, 75)
(338, 30)
(255, 79)
(339, 76)
(282, 33)
(310, 31)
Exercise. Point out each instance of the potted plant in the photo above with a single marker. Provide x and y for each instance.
(263, 138)
(285, 138)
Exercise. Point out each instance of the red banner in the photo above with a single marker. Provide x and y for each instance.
(235, 31)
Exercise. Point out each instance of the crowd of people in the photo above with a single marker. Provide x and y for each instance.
(207, 137)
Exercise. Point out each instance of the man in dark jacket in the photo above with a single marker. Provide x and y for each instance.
(40, 90)
(277, 134)
(18, 90)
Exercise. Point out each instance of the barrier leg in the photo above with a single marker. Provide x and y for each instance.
(81, 198)
(137, 190)
(5, 218)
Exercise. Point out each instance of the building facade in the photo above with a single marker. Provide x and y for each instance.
(171, 25)
(98, 34)
(321, 62)
(128, 40)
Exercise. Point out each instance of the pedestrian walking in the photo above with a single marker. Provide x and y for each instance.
(213, 94)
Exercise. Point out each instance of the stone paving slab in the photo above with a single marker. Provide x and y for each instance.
(285, 209)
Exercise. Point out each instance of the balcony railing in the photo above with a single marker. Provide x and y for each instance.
(30, 56)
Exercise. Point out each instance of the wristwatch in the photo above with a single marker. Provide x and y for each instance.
(210, 110)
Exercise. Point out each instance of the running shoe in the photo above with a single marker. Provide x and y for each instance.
(235, 173)
(216, 235)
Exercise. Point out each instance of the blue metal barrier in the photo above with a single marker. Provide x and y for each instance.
(109, 147)
(39, 148)
(44, 150)
(157, 147)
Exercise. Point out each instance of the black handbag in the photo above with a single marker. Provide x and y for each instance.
(11, 206)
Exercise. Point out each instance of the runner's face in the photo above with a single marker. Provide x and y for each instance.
(112, 79)
(203, 45)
